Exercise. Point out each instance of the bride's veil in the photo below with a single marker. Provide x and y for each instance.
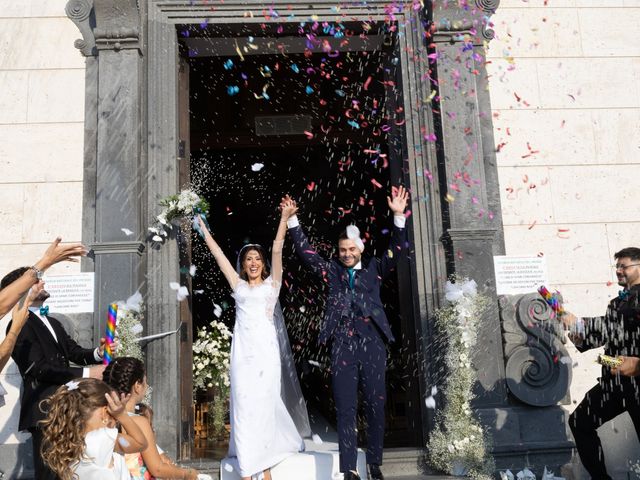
(290, 390)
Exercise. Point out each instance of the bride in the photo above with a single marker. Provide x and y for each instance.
(268, 414)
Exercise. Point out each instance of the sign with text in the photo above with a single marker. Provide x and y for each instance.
(519, 275)
(70, 293)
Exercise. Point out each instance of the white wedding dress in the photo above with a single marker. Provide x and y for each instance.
(262, 430)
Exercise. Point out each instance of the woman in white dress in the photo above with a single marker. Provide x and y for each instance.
(80, 441)
(263, 430)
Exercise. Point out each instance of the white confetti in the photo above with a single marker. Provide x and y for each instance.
(316, 439)
(182, 291)
(124, 443)
(192, 270)
(434, 390)
(256, 167)
(303, 309)
(314, 363)
(136, 329)
(430, 402)
(217, 310)
(127, 232)
(198, 292)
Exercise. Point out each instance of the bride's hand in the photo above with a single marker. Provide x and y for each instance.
(203, 227)
(288, 207)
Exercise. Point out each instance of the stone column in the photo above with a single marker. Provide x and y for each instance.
(525, 429)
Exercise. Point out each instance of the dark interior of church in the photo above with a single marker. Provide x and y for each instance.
(327, 135)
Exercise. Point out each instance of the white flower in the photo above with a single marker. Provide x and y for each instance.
(162, 218)
(72, 385)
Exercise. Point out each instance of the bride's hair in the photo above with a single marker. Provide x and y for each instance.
(68, 411)
(244, 251)
(123, 373)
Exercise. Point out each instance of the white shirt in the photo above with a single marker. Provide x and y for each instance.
(45, 320)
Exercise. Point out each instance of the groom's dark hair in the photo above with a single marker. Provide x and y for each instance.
(263, 256)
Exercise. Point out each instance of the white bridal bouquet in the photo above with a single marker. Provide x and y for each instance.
(185, 204)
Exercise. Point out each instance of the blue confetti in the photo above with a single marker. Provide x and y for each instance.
(340, 93)
(309, 90)
(354, 124)
(295, 68)
(232, 90)
(228, 65)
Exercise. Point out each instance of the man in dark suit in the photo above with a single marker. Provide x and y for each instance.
(358, 329)
(44, 352)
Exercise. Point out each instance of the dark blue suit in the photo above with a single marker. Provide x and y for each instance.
(356, 324)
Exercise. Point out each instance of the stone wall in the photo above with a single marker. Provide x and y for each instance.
(41, 158)
(565, 94)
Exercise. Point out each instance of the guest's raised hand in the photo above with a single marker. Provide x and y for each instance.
(59, 253)
(398, 200)
(116, 404)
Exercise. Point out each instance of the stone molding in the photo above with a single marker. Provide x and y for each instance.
(80, 13)
(536, 373)
(105, 25)
(452, 23)
(103, 248)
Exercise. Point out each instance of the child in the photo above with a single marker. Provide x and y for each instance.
(147, 412)
(79, 438)
(127, 376)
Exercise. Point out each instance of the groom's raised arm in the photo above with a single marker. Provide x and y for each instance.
(398, 202)
(305, 251)
(397, 246)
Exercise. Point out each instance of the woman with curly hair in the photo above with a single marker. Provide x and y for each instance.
(127, 376)
(79, 440)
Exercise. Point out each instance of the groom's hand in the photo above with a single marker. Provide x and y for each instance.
(398, 200)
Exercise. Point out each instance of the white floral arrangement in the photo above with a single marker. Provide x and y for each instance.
(458, 443)
(211, 357)
(129, 327)
(185, 204)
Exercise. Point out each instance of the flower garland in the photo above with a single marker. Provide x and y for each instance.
(458, 444)
(184, 204)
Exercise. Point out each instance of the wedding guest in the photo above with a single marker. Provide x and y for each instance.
(43, 353)
(617, 390)
(55, 253)
(358, 329)
(127, 376)
(80, 441)
(19, 317)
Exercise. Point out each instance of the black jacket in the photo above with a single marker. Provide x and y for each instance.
(367, 282)
(44, 364)
(618, 330)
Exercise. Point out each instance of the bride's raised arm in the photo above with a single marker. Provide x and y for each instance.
(223, 262)
(288, 208)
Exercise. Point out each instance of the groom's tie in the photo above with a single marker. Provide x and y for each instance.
(352, 277)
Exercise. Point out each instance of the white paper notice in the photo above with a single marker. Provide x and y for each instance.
(519, 275)
(70, 293)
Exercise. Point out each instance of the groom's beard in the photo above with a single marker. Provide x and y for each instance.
(349, 261)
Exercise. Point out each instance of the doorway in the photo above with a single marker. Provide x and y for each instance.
(313, 110)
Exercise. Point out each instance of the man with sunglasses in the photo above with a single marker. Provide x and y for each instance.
(617, 389)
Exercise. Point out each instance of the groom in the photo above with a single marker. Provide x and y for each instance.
(358, 329)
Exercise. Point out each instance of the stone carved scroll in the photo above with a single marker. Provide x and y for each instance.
(80, 13)
(537, 365)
